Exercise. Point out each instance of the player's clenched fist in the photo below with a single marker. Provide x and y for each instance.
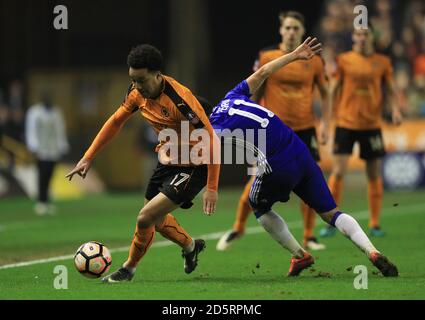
(82, 167)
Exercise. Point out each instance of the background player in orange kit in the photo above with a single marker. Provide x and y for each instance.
(164, 103)
(289, 94)
(360, 75)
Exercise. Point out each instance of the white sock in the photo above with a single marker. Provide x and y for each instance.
(278, 229)
(189, 248)
(351, 229)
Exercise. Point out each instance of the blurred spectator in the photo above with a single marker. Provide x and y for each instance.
(46, 138)
(417, 96)
(383, 26)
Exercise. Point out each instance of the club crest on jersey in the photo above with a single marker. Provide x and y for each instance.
(165, 112)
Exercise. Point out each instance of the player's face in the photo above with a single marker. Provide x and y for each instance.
(363, 39)
(148, 83)
(291, 31)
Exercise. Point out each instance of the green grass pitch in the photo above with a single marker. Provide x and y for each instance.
(254, 267)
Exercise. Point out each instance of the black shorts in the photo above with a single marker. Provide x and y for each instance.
(180, 184)
(309, 137)
(371, 142)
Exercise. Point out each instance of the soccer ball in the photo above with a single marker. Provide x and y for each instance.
(92, 259)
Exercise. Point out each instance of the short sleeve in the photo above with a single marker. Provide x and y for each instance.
(242, 89)
(130, 102)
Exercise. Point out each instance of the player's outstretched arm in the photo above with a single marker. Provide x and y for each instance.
(305, 51)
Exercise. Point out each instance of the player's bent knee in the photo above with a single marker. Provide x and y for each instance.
(329, 216)
(144, 221)
(260, 212)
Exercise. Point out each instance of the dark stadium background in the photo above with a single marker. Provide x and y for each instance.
(207, 45)
(102, 32)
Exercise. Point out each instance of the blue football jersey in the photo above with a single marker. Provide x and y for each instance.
(265, 134)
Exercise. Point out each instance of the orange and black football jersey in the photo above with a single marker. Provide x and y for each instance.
(175, 108)
(361, 100)
(289, 91)
(175, 105)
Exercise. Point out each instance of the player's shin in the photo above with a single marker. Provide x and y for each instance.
(309, 218)
(173, 231)
(278, 229)
(143, 239)
(375, 193)
(351, 229)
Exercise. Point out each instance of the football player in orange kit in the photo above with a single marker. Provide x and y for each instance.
(165, 104)
(358, 82)
(289, 94)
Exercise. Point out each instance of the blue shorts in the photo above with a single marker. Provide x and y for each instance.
(301, 175)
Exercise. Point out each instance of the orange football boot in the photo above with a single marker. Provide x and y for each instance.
(298, 265)
(381, 262)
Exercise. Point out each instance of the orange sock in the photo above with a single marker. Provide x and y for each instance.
(244, 209)
(336, 186)
(309, 217)
(375, 193)
(142, 241)
(171, 230)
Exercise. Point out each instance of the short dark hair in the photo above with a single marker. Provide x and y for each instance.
(145, 56)
(292, 14)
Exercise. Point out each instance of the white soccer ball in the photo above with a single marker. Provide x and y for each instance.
(92, 259)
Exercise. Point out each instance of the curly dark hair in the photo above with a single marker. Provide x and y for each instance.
(145, 56)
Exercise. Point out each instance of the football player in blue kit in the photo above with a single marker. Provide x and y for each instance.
(285, 165)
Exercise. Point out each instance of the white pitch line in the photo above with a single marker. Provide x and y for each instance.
(360, 215)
